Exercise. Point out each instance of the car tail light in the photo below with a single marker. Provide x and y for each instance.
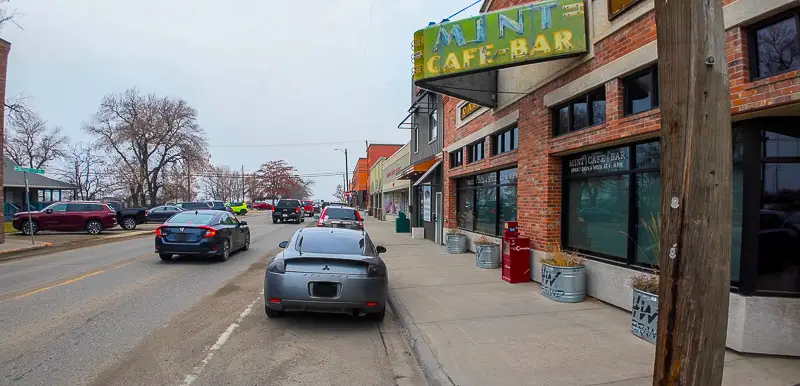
(159, 233)
(376, 270)
(146, 212)
(210, 232)
(297, 210)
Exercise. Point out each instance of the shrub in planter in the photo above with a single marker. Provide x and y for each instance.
(563, 277)
(487, 253)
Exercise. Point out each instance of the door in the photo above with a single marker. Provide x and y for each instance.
(237, 238)
(439, 204)
(73, 219)
(53, 220)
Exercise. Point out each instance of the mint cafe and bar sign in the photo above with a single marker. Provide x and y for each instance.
(461, 58)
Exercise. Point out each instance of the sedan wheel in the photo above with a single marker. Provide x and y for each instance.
(226, 250)
(246, 242)
(129, 223)
(94, 227)
(29, 227)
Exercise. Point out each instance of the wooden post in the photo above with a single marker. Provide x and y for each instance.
(696, 169)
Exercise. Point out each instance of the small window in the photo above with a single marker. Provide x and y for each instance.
(582, 112)
(641, 91)
(776, 46)
(59, 208)
(457, 158)
(476, 151)
(616, 7)
(505, 141)
(95, 208)
(433, 125)
(76, 207)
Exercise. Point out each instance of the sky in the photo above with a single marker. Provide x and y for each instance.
(316, 75)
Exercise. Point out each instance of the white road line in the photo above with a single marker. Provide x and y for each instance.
(221, 340)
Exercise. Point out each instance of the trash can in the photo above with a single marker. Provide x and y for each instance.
(402, 224)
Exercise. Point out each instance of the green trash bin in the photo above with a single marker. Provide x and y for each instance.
(402, 224)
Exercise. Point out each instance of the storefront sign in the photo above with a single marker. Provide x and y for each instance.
(544, 30)
(468, 109)
(393, 172)
(426, 203)
(604, 161)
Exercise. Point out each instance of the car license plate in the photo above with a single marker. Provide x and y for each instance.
(182, 237)
(286, 215)
(324, 290)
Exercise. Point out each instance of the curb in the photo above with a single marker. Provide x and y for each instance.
(431, 368)
(24, 249)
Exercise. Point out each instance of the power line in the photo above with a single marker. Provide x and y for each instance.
(463, 9)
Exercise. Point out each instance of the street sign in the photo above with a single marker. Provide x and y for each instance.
(347, 194)
(28, 170)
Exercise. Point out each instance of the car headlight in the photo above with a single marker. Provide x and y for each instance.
(376, 270)
(277, 266)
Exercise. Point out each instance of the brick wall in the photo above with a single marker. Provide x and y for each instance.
(538, 156)
(5, 47)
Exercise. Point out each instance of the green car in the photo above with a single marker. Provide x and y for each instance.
(239, 208)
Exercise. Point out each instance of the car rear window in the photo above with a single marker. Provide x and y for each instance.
(307, 203)
(341, 214)
(191, 218)
(194, 205)
(331, 243)
(96, 208)
(288, 203)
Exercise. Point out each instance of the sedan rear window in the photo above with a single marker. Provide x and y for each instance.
(331, 243)
(191, 218)
(341, 214)
(194, 205)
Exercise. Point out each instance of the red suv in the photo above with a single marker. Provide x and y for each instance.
(308, 206)
(91, 216)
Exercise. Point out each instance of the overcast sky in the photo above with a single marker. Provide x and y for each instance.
(259, 72)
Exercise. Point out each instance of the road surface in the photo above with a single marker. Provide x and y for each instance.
(116, 314)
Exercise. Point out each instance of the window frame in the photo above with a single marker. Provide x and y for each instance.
(621, 10)
(496, 137)
(457, 155)
(655, 102)
(752, 39)
(472, 191)
(583, 98)
(471, 151)
(433, 125)
(629, 261)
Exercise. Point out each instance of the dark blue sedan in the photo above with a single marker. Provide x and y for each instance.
(210, 233)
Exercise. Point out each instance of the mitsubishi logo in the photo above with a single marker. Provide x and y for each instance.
(326, 268)
(181, 229)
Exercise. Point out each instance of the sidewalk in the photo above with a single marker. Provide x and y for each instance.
(469, 327)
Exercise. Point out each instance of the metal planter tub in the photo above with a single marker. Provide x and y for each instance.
(564, 284)
(644, 315)
(457, 243)
(487, 256)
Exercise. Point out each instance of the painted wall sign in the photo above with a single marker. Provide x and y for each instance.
(599, 161)
(468, 109)
(644, 316)
(544, 30)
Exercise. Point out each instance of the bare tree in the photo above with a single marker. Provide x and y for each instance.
(30, 142)
(8, 16)
(276, 177)
(778, 50)
(339, 193)
(221, 183)
(148, 135)
(83, 166)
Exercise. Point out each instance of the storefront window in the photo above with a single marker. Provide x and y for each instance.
(486, 201)
(598, 219)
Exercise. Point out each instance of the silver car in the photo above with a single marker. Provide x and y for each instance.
(327, 270)
(340, 217)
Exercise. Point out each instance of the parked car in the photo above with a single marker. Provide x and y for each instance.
(288, 209)
(308, 206)
(128, 218)
(239, 208)
(340, 217)
(216, 205)
(162, 213)
(193, 205)
(91, 216)
(262, 206)
(327, 270)
(202, 232)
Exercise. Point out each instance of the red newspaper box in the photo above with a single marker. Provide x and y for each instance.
(516, 255)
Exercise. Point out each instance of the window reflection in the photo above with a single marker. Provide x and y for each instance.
(598, 217)
(778, 48)
(779, 234)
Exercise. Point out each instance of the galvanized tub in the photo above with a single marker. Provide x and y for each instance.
(457, 243)
(564, 284)
(644, 318)
(487, 256)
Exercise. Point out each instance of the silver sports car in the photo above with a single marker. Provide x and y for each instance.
(327, 270)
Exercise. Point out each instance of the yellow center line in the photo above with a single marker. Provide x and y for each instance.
(70, 281)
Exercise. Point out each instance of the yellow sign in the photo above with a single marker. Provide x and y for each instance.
(467, 109)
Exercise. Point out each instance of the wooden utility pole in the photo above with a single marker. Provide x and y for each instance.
(696, 168)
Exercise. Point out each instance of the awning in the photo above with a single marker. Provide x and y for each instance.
(419, 181)
(413, 171)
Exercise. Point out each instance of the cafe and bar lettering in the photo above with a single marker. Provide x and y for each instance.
(468, 109)
(544, 30)
(599, 162)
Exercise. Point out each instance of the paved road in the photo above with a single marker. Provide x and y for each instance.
(116, 314)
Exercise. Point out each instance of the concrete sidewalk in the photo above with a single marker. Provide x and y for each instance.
(469, 327)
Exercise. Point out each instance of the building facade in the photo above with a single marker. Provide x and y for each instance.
(376, 187)
(395, 191)
(359, 184)
(570, 149)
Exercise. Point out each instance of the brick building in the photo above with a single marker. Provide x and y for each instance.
(570, 149)
(358, 186)
(5, 48)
